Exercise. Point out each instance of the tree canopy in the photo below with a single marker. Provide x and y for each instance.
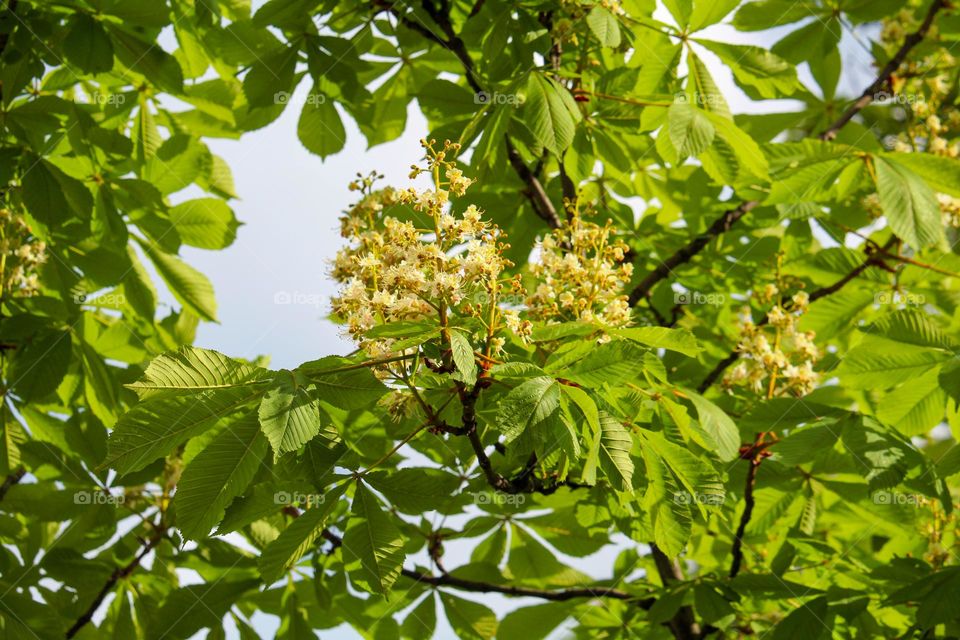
(608, 322)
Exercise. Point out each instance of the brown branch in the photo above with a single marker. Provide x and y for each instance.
(116, 576)
(883, 78)
(683, 624)
(534, 190)
(755, 453)
(11, 480)
(562, 595)
(686, 253)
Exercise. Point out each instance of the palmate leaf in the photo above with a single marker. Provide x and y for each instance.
(372, 544)
(289, 413)
(298, 538)
(415, 490)
(217, 475)
(880, 364)
(915, 407)
(940, 172)
(191, 370)
(155, 427)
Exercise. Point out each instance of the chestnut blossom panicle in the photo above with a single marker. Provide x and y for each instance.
(21, 255)
(776, 358)
(581, 274)
(451, 266)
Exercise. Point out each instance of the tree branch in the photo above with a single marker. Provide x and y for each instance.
(534, 190)
(755, 453)
(723, 224)
(683, 624)
(119, 572)
(11, 480)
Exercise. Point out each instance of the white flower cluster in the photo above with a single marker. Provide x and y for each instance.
(20, 255)
(949, 209)
(582, 274)
(392, 270)
(776, 359)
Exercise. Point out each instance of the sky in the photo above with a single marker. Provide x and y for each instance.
(273, 284)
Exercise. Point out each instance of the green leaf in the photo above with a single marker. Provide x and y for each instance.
(550, 112)
(808, 622)
(941, 173)
(217, 475)
(463, 357)
(604, 364)
(320, 129)
(372, 544)
(342, 383)
(769, 74)
(421, 622)
(915, 407)
(206, 223)
(270, 80)
(152, 62)
(189, 609)
(718, 425)
(909, 204)
(156, 427)
(289, 413)
(880, 364)
(689, 129)
(708, 12)
(179, 161)
(38, 367)
(192, 369)
(605, 26)
(415, 490)
(615, 445)
(470, 620)
(190, 287)
(528, 405)
(298, 538)
(87, 45)
(679, 340)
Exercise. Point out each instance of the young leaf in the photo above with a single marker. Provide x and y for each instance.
(463, 357)
(289, 413)
(551, 113)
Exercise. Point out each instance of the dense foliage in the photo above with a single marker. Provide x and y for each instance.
(607, 318)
